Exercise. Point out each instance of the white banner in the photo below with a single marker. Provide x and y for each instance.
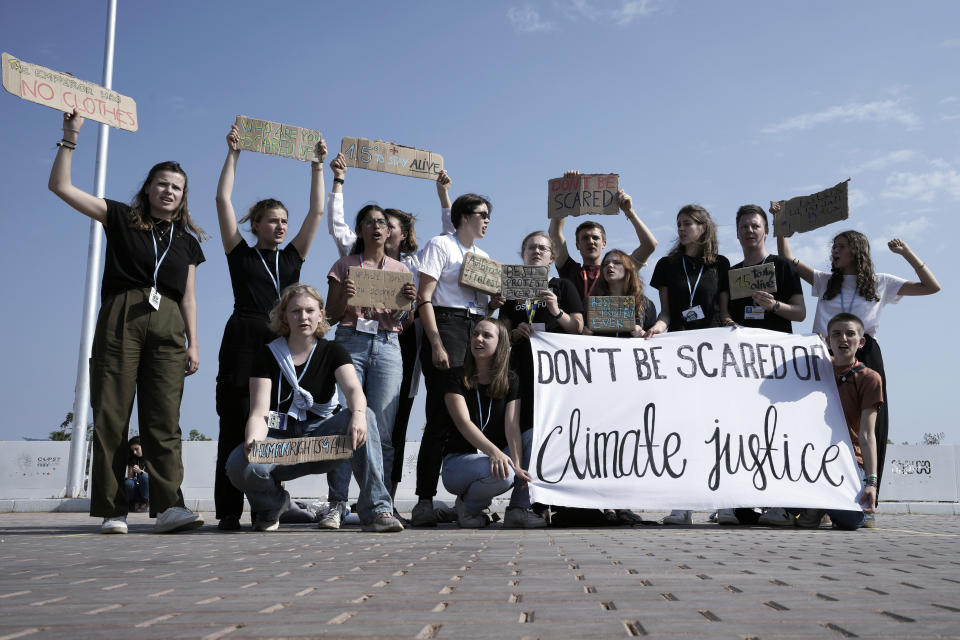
(707, 419)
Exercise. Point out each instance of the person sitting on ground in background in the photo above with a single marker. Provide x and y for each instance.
(591, 240)
(484, 451)
(138, 481)
(292, 396)
(861, 395)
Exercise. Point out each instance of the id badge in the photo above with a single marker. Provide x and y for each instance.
(277, 421)
(367, 326)
(154, 298)
(539, 326)
(751, 312)
(693, 313)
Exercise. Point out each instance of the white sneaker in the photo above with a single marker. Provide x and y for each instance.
(176, 519)
(266, 525)
(114, 525)
(776, 517)
(727, 516)
(679, 516)
(333, 518)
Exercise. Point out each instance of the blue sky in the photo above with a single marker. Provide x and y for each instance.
(716, 103)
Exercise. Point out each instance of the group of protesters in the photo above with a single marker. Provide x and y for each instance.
(279, 378)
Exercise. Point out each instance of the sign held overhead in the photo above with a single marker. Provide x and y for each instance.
(805, 213)
(275, 139)
(63, 92)
(390, 157)
(582, 194)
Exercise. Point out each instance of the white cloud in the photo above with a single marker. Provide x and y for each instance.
(949, 117)
(924, 186)
(623, 12)
(948, 100)
(812, 248)
(526, 19)
(884, 161)
(910, 228)
(856, 198)
(879, 111)
(951, 44)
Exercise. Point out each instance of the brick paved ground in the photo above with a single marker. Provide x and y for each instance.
(62, 579)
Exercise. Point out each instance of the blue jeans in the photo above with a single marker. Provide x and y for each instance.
(138, 489)
(379, 366)
(261, 482)
(468, 475)
(848, 520)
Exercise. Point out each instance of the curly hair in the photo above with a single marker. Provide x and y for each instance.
(278, 321)
(866, 279)
(708, 239)
(499, 367)
(140, 206)
(632, 284)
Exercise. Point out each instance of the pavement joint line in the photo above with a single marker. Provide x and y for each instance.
(209, 600)
(153, 621)
(216, 635)
(40, 603)
(24, 632)
(343, 617)
(15, 594)
(110, 607)
(160, 593)
(114, 586)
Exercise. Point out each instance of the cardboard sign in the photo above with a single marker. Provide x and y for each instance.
(480, 273)
(275, 139)
(611, 314)
(583, 194)
(63, 92)
(390, 157)
(380, 289)
(759, 277)
(523, 282)
(804, 213)
(296, 450)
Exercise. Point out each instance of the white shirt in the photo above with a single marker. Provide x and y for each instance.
(441, 259)
(888, 289)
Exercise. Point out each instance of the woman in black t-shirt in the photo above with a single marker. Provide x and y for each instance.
(482, 414)
(145, 341)
(694, 289)
(257, 274)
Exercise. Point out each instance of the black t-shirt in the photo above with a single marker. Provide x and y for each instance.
(319, 379)
(567, 298)
(253, 289)
(788, 285)
(669, 273)
(130, 259)
(584, 279)
(488, 415)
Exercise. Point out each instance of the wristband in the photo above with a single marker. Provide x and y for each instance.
(872, 476)
(776, 306)
(338, 180)
(558, 316)
(66, 144)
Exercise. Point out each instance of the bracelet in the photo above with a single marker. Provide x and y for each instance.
(870, 483)
(423, 302)
(796, 262)
(776, 306)
(338, 180)
(558, 316)
(66, 144)
(872, 476)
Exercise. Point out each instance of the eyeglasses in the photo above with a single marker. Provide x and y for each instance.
(541, 248)
(375, 222)
(483, 214)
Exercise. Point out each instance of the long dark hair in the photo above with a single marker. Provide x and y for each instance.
(499, 367)
(406, 220)
(140, 207)
(361, 216)
(866, 280)
(708, 240)
(632, 285)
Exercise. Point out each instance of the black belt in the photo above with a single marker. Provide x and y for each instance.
(453, 312)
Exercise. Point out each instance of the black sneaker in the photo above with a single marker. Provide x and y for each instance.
(229, 523)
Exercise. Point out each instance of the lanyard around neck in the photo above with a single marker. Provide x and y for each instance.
(158, 261)
(299, 378)
(480, 409)
(276, 261)
(693, 289)
(853, 299)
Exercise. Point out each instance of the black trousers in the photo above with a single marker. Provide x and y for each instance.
(408, 351)
(870, 355)
(455, 327)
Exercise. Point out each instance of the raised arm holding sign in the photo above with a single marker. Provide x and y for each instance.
(390, 157)
(275, 139)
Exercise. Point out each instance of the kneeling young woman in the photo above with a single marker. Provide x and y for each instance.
(484, 452)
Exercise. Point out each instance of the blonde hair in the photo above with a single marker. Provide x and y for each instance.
(278, 321)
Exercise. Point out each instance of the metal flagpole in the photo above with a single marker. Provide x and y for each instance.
(81, 400)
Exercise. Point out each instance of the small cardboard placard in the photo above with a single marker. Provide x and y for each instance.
(759, 277)
(611, 314)
(63, 92)
(380, 289)
(480, 273)
(390, 157)
(804, 213)
(523, 281)
(297, 450)
(583, 194)
(276, 139)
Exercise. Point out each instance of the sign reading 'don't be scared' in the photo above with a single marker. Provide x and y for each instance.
(581, 194)
(63, 92)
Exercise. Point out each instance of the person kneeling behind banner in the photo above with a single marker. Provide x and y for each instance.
(302, 367)
(483, 410)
